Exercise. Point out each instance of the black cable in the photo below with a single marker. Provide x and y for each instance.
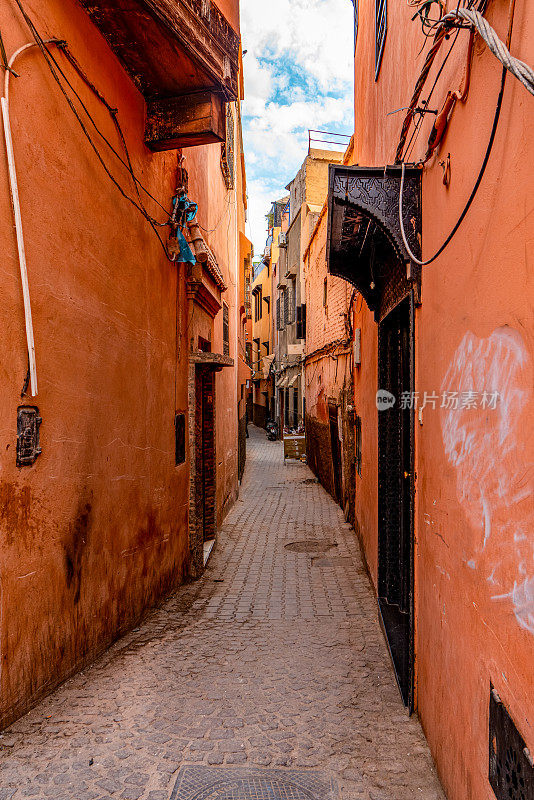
(49, 59)
(113, 112)
(480, 174)
(417, 127)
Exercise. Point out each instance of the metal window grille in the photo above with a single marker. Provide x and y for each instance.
(227, 149)
(381, 24)
(291, 303)
(226, 330)
(511, 768)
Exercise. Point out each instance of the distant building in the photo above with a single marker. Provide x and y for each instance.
(307, 192)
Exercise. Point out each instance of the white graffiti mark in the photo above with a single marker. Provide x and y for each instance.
(489, 450)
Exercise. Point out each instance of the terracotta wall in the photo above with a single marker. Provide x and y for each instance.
(96, 530)
(474, 330)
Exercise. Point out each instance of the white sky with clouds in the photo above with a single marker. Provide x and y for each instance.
(298, 75)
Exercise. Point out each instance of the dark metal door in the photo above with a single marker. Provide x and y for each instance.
(395, 492)
(205, 452)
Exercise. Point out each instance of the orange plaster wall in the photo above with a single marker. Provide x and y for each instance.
(96, 531)
(474, 330)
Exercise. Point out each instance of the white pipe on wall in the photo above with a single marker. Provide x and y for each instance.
(13, 185)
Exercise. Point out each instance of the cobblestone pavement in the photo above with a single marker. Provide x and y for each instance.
(274, 658)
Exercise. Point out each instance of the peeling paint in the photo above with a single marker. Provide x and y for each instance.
(487, 448)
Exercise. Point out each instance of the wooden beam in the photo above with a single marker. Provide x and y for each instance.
(170, 47)
(185, 121)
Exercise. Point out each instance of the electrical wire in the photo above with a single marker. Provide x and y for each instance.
(418, 125)
(482, 170)
(472, 195)
(52, 64)
(523, 72)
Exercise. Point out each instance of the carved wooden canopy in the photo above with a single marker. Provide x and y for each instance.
(183, 55)
(364, 244)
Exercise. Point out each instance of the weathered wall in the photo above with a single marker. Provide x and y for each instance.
(96, 531)
(474, 510)
(328, 363)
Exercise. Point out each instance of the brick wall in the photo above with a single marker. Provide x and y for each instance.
(319, 451)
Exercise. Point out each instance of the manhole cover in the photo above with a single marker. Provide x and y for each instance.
(309, 481)
(310, 546)
(248, 783)
(336, 561)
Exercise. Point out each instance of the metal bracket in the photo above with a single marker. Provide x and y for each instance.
(28, 424)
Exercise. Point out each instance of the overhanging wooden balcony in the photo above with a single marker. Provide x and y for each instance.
(183, 55)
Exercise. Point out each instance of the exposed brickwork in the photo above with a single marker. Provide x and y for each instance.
(319, 451)
(259, 415)
(273, 658)
(324, 323)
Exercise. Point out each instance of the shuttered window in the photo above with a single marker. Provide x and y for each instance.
(291, 303)
(286, 307)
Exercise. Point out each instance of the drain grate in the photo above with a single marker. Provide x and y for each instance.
(251, 783)
(310, 546)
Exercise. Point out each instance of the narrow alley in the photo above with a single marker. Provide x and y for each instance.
(274, 659)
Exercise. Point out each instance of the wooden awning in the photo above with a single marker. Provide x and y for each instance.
(214, 361)
(183, 55)
(364, 241)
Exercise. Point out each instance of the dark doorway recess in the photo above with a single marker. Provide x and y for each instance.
(336, 452)
(205, 451)
(395, 493)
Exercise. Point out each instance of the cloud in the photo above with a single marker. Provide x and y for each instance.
(298, 75)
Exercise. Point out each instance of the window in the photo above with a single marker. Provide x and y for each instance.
(249, 353)
(257, 303)
(227, 149)
(286, 307)
(325, 292)
(301, 321)
(291, 291)
(226, 331)
(381, 25)
(278, 318)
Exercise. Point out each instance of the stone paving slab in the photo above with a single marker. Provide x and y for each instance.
(274, 659)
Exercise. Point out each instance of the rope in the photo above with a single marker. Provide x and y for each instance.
(519, 69)
(471, 196)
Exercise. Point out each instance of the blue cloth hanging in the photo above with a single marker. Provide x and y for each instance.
(186, 212)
